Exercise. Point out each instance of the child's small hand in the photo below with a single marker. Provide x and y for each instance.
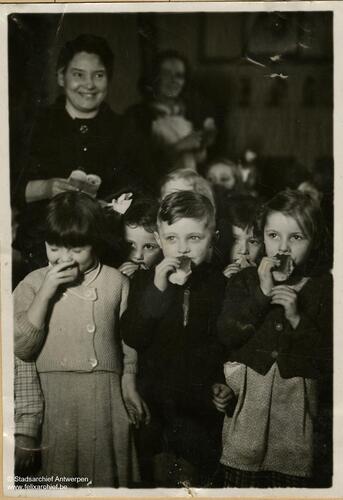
(136, 406)
(60, 274)
(231, 269)
(222, 395)
(128, 268)
(167, 265)
(286, 297)
(25, 447)
(265, 274)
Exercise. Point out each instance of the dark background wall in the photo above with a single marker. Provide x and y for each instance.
(281, 106)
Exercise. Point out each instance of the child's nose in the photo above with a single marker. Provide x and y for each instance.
(137, 254)
(243, 248)
(183, 247)
(65, 257)
(284, 246)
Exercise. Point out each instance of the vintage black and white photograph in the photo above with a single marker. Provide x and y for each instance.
(171, 192)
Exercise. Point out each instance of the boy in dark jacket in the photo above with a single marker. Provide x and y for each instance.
(171, 322)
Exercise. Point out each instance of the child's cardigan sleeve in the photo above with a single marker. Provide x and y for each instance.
(28, 339)
(244, 308)
(257, 333)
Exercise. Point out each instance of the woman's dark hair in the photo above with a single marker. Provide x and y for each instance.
(148, 82)
(307, 212)
(92, 44)
(74, 219)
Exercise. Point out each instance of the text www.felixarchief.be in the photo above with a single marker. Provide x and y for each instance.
(46, 482)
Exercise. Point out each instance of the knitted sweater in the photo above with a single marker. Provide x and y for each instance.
(81, 331)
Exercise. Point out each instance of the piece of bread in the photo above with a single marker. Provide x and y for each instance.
(243, 261)
(180, 276)
(284, 268)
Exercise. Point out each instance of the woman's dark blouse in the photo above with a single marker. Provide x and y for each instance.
(60, 144)
(257, 334)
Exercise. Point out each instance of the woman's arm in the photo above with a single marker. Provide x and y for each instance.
(45, 189)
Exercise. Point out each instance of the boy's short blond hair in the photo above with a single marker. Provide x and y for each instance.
(199, 184)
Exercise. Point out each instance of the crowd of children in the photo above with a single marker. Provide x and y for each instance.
(129, 377)
(183, 339)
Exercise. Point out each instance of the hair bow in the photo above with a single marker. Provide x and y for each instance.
(121, 204)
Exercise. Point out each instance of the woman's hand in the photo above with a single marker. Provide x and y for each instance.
(57, 185)
(165, 267)
(136, 407)
(128, 268)
(231, 269)
(265, 274)
(221, 396)
(47, 189)
(286, 297)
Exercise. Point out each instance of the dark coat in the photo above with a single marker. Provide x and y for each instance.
(176, 361)
(257, 334)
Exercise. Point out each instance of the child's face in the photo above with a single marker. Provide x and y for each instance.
(82, 256)
(85, 84)
(221, 174)
(282, 234)
(144, 247)
(175, 185)
(244, 243)
(171, 78)
(187, 237)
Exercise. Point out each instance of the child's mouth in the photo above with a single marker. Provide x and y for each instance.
(284, 268)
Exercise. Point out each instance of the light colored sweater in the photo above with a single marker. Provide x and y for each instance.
(81, 331)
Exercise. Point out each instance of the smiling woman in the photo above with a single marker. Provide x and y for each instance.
(79, 132)
(85, 85)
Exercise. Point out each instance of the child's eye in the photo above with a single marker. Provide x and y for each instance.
(272, 235)
(149, 246)
(77, 250)
(100, 75)
(254, 241)
(170, 238)
(53, 249)
(77, 74)
(298, 237)
(194, 238)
